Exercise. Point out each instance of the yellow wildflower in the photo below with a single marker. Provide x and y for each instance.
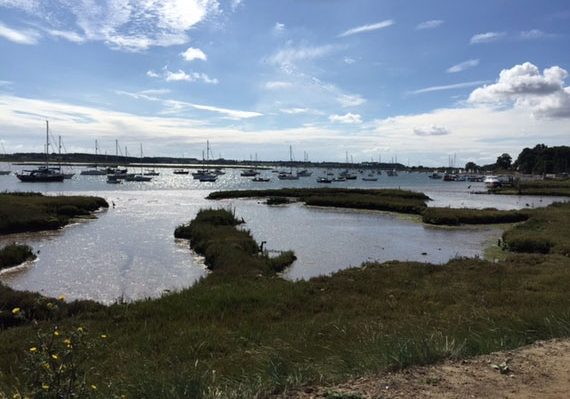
(94, 387)
(16, 311)
(54, 356)
(61, 298)
(67, 341)
(33, 349)
(80, 329)
(103, 336)
(45, 386)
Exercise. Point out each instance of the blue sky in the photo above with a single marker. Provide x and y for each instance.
(417, 80)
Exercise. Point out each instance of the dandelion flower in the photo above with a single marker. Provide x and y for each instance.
(16, 311)
(33, 349)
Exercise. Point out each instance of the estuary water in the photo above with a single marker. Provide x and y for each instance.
(128, 252)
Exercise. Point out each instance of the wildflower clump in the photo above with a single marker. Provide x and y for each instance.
(56, 364)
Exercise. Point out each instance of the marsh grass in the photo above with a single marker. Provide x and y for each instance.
(382, 200)
(244, 332)
(22, 212)
(15, 254)
(457, 216)
(536, 187)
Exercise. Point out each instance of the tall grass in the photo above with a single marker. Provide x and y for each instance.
(20, 212)
(456, 216)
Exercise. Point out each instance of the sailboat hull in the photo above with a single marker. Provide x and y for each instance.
(35, 178)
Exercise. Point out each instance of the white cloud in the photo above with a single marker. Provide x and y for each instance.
(71, 36)
(543, 94)
(288, 57)
(349, 60)
(367, 28)
(25, 36)
(463, 66)
(297, 111)
(182, 76)
(5, 83)
(277, 85)
(486, 37)
(348, 118)
(234, 4)
(431, 24)
(350, 100)
(431, 131)
(453, 86)
(192, 54)
(535, 34)
(278, 28)
(123, 24)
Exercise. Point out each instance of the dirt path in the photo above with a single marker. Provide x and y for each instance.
(541, 370)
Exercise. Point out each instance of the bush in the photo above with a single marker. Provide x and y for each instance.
(15, 254)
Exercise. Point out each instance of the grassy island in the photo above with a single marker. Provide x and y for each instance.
(244, 332)
(22, 212)
(536, 187)
(15, 254)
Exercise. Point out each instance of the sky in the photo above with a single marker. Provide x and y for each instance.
(419, 81)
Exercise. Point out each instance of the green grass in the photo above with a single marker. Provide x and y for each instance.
(547, 231)
(537, 187)
(382, 200)
(22, 212)
(15, 254)
(244, 332)
(457, 216)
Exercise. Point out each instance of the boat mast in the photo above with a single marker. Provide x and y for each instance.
(47, 144)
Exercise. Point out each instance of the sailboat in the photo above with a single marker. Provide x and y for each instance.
(65, 175)
(94, 172)
(289, 175)
(4, 172)
(205, 175)
(139, 177)
(43, 174)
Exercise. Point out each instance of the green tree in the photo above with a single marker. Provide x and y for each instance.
(471, 166)
(504, 161)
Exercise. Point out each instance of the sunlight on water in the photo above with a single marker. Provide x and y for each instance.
(129, 251)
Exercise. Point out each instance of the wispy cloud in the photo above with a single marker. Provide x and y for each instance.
(123, 25)
(278, 28)
(349, 60)
(70, 36)
(486, 37)
(453, 86)
(535, 34)
(348, 118)
(192, 54)
(297, 111)
(367, 28)
(431, 24)
(288, 57)
(277, 85)
(24, 36)
(177, 106)
(431, 131)
(462, 66)
(181, 76)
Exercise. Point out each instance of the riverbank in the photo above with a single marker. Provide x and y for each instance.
(536, 187)
(26, 212)
(248, 334)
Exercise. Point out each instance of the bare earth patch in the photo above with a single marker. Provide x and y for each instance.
(541, 370)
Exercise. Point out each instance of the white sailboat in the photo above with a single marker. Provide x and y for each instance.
(96, 171)
(43, 174)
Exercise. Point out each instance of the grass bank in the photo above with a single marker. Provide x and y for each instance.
(393, 200)
(244, 332)
(15, 254)
(23, 212)
(537, 187)
(457, 216)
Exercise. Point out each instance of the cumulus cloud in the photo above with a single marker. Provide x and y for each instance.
(431, 24)
(192, 54)
(367, 28)
(121, 24)
(24, 36)
(278, 28)
(462, 66)
(431, 131)
(544, 94)
(486, 37)
(348, 118)
(350, 100)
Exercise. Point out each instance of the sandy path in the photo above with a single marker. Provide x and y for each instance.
(541, 370)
